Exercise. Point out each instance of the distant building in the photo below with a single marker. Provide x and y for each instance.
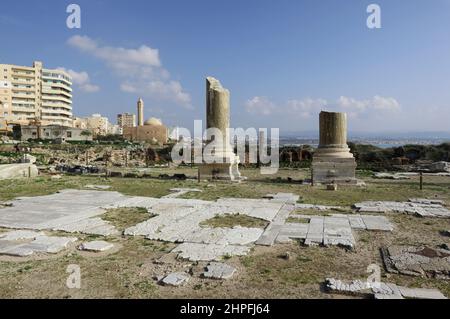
(79, 122)
(54, 132)
(28, 93)
(97, 124)
(126, 120)
(3, 127)
(153, 131)
(115, 129)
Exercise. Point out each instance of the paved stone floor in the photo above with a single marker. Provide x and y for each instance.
(335, 229)
(415, 206)
(381, 290)
(179, 220)
(26, 243)
(417, 261)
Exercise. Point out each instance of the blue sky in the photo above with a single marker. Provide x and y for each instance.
(283, 61)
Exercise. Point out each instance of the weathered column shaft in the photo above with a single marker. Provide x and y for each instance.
(333, 129)
(217, 108)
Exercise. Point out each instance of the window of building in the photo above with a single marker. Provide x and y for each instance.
(69, 134)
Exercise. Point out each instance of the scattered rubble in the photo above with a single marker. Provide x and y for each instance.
(439, 167)
(96, 246)
(177, 192)
(332, 187)
(417, 261)
(217, 270)
(288, 198)
(380, 290)
(27, 158)
(100, 187)
(396, 176)
(13, 171)
(175, 279)
(418, 207)
(425, 201)
(207, 252)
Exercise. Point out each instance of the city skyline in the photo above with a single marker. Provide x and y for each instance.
(283, 63)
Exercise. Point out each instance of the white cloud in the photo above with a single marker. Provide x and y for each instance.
(303, 108)
(306, 108)
(309, 108)
(259, 105)
(140, 70)
(377, 103)
(82, 80)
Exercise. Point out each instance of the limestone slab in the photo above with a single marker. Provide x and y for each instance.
(96, 246)
(175, 279)
(216, 270)
(208, 252)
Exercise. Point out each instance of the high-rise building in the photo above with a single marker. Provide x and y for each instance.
(126, 120)
(30, 93)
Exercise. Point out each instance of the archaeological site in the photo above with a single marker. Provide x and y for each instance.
(225, 159)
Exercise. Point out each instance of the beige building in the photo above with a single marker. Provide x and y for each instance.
(28, 93)
(126, 120)
(97, 124)
(54, 132)
(153, 131)
(3, 127)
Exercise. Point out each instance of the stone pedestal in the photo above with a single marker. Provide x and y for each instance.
(332, 161)
(225, 165)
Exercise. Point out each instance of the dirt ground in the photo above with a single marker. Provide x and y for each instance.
(128, 270)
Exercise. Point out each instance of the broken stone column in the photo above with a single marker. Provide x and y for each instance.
(224, 164)
(332, 161)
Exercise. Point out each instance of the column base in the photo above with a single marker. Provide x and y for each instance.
(334, 170)
(221, 171)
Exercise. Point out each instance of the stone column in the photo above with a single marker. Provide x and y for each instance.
(333, 135)
(225, 166)
(218, 110)
(332, 160)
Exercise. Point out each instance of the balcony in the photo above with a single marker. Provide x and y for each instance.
(23, 95)
(52, 78)
(58, 85)
(25, 89)
(23, 74)
(56, 112)
(46, 90)
(51, 98)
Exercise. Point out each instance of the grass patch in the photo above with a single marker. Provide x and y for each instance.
(123, 218)
(297, 220)
(231, 220)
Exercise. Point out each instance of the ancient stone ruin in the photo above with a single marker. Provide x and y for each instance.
(332, 161)
(224, 163)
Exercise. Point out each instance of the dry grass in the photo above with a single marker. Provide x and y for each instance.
(123, 218)
(127, 272)
(232, 220)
